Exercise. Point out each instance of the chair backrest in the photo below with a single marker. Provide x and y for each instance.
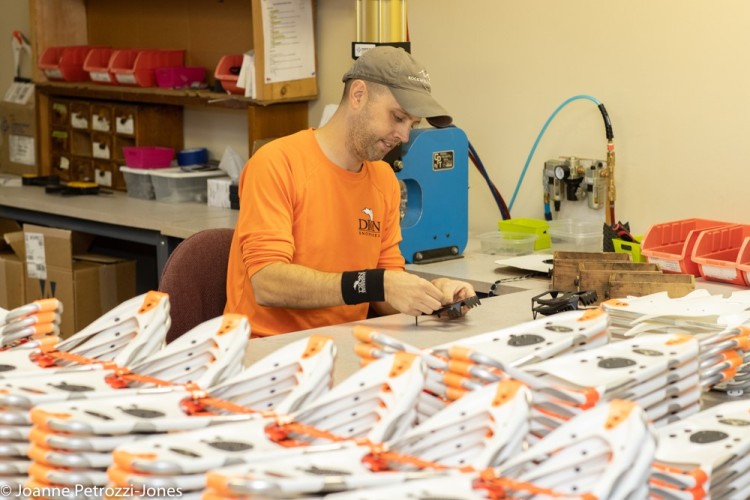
(195, 278)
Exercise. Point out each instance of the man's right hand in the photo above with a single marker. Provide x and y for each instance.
(410, 294)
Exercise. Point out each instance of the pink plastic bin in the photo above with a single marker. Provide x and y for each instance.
(670, 244)
(227, 71)
(137, 67)
(96, 65)
(148, 156)
(178, 77)
(718, 251)
(64, 63)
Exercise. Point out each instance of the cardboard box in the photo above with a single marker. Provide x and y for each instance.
(57, 265)
(12, 283)
(18, 138)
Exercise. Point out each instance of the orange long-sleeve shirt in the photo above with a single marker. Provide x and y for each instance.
(296, 206)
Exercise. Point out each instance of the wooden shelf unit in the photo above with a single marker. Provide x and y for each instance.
(83, 139)
(205, 29)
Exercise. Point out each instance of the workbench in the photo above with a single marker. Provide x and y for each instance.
(115, 215)
(495, 313)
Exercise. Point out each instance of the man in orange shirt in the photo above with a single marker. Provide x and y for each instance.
(316, 240)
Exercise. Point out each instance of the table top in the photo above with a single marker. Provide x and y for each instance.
(493, 314)
(178, 220)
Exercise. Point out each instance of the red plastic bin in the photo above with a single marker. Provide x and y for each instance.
(148, 156)
(136, 67)
(670, 244)
(743, 261)
(717, 253)
(96, 65)
(64, 63)
(178, 77)
(227, 72)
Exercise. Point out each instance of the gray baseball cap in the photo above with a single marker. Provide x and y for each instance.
(405, 77)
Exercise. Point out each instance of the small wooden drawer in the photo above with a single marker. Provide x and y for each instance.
(80, 115)
(80, 142)
(59, 112)
(101, 117)
(61, 166)
(60, 141)
(107, 174)
(101, 146)
(82, 169)
(125, 120)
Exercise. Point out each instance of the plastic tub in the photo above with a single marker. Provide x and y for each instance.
(138, 183)
(64, 63)
(178, 77)
(148, 156)
(538, 227)
(176, 186)
(96, 65)
(508, 244)
(718, 252)
(227, 72)
(575, 235)
(670, 244)
(137, 67)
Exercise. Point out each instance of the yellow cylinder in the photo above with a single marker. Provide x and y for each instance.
(381, 21)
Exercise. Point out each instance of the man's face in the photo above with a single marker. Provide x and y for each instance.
(381, 125)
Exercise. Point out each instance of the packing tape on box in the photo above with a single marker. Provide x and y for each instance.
(192, 156)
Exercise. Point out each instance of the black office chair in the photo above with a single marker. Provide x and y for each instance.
(195, 278)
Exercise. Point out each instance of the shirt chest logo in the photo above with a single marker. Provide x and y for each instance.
(368, 226)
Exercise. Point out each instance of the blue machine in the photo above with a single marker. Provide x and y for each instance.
(434, 176)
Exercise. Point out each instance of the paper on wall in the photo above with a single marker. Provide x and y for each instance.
(289, 44)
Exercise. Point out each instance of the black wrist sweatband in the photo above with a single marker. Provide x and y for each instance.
(363, 286)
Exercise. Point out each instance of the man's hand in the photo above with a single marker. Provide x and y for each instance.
(410, 294)
(453, 290)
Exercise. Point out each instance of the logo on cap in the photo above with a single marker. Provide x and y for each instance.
(421, 77)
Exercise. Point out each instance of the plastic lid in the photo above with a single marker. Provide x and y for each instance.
(137, 171)
(178, 173)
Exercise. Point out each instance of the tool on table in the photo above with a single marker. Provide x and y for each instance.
(39, 180)
(74, 188)
(432, 170)
(454, 310)
(556, 301)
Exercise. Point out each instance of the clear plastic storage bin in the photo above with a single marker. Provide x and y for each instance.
(576, 235)
(173, 185)
(507, 244)
(538, 227)
(138, 183)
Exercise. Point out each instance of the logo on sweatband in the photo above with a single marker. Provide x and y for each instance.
(363, 286)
